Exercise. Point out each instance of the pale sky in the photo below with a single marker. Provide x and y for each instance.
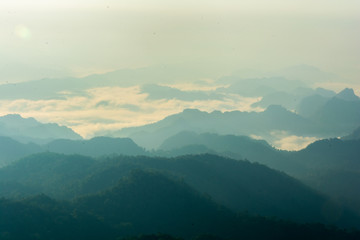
(48, 38)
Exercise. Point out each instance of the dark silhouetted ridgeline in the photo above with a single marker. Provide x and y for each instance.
(238, 185)
(146, 203)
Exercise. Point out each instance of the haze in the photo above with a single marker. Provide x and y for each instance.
(179, 120)
(53, 39)
(189, 46)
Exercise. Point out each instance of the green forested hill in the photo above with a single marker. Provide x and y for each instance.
(330, 166)
(238, 185)
(146, 202)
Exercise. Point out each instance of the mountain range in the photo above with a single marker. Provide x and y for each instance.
(152, 204)
(234, 122)
(331, 165)
(12, 150)
(236, 184)
(197, 172)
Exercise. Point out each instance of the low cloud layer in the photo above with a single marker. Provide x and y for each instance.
(111, 108)
(285, 141)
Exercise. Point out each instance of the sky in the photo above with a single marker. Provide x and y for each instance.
(198, 41)
(48, 38)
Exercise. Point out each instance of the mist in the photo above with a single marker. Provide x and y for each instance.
(179, 120)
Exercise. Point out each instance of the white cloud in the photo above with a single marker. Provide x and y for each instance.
(292, 142)
(111, 108)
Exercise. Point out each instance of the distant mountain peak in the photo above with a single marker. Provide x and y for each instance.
(191, 110)
(14, 119)
(30, 130)
(348, 95)
(275, 108)
(13, 115)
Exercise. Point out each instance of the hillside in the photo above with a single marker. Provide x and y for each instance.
(49, 173)
(333, 167)
(238, 185)
(149, 202)
(146, 203)
(330, 166)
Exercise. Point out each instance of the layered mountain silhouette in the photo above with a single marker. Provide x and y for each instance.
(355, 135)
(30, 130)
(194, 175)
(151, 202)
(348, 95)
(60, 88)
(95, 147)
(146, 202)
(333, 167)
(330, 165)
(237, 147)
(235, 122)
(319, 116)
(294, 99)
(238, 185)
(339, 114)
(12, 150)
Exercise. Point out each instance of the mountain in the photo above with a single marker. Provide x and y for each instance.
(95, 147)
(192, 149)
(11, 150)
(41, 217)
(331, 166)
(309, 105)
(60, 88)
(147, 203)
(50, 88)
(150, 202)
(30, 130)
(292, 100)
(238, 185)
(237, 147)
(355, 135)
(284, 99)
(235, 122)
(312, 103)
(338, 115)
(347, 94)
(50, 173)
